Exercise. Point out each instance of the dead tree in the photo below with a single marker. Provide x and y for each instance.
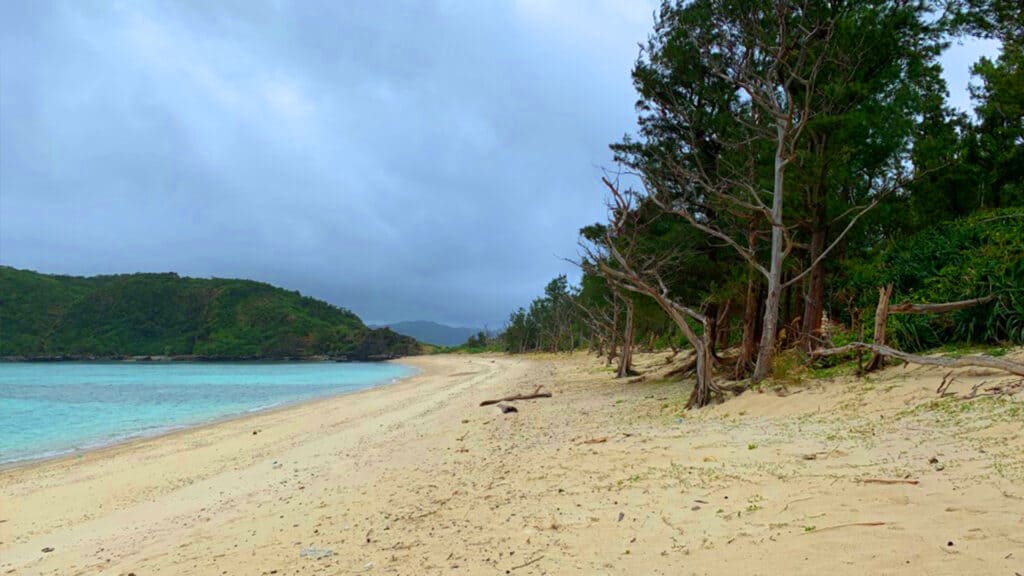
(883, 310)
(977, 360)
(881, 318)
(617, 258)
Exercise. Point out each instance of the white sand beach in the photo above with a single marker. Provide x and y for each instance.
(843, 476)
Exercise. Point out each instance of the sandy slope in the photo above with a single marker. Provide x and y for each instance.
(415, 478)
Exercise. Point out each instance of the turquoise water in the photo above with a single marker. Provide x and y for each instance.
(47, 409)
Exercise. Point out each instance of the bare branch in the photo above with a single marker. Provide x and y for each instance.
(958, 362)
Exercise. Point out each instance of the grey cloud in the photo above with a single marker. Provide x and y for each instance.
(408, 160)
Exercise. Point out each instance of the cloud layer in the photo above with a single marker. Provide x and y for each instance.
(404, 159)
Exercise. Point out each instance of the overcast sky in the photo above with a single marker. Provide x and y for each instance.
(404, 159)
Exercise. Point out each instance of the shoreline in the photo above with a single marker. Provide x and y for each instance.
(162, 432)
(842, 475)
(169, 431)
(195, 359)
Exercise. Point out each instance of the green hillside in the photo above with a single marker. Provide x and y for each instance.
(168, 315)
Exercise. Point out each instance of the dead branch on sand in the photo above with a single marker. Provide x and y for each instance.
(845, 526)
(536, 394)
(960, 362)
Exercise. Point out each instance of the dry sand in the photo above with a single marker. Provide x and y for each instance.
(415, 478)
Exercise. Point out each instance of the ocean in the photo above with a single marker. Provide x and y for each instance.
(54, 408)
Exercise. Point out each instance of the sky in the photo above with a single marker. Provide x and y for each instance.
(405, 159)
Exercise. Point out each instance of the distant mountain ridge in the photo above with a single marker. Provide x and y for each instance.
(166, 315)
(435, 333)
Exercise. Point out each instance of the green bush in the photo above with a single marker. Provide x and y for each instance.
(957, 260)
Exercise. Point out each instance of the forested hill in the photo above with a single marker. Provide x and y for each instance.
(47, 316)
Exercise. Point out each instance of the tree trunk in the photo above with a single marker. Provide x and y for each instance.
(787, 324)
(704, 389)
(814, 305)
(771, 304)
(711, 327)
(881, 316)
(722, 323)
(613, 347)
(626, 359)
(750, 315)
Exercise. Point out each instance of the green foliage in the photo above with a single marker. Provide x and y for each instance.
(551, 324)
(481, 342)
(165, 314)
(973, 257)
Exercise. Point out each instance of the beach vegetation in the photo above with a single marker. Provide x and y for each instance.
(799, 192)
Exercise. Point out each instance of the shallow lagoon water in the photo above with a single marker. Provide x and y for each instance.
(53, 408)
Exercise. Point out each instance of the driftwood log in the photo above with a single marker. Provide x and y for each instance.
(536, 394)
(977, 360)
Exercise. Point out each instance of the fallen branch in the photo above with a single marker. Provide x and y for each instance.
(889, 481)
(525, 564)
(845, 526)
(884, 309)
(689, 366)
(1003, 389)
(911, 308)
(946, 381)
(960, 362)
(536, 394)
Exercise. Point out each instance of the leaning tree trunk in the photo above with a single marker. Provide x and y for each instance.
(705, 391)
(881, 316)
(626, 359)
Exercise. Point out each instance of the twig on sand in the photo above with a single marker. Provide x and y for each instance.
(946, 381)
(795, 501)
(671, 525)
(845, 526)
(1000, 389)
(889, 481)
(600, 440)
(536, 394)
(527, 563)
